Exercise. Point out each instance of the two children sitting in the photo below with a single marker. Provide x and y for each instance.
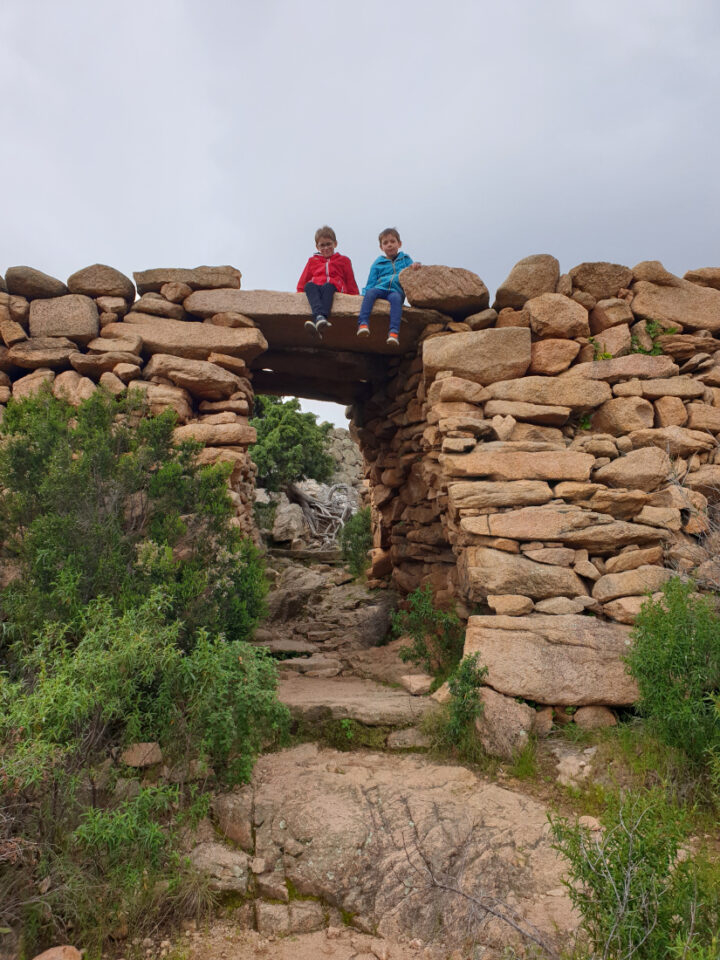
(328, 271)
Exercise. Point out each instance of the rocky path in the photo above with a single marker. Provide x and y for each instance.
(364, 853)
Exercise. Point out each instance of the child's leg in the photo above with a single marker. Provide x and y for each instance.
(327, 292)
(313, 293)
(368, 303)
(396, 303)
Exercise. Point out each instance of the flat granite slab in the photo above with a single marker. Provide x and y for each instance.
(350, 697)
(281, 318)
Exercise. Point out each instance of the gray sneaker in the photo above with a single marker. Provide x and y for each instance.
(321, 323)
(311, 328)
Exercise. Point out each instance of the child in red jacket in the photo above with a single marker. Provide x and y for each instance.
(324, 273)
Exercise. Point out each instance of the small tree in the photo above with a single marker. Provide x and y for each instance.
(291, 445)
(675, 659)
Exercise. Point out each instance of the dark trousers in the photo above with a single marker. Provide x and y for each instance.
(395, 299)
(320, 298)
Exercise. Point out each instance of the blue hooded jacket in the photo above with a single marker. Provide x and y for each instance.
(384, 273)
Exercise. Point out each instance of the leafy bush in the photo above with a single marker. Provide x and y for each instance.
(290, 445)
(355, 541)
(127, 624)
(465, 704)
(637, 897)
(437, 635)
(675, 659)
(97, 501)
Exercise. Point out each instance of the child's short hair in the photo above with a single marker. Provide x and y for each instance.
(326, 232)
(388, 232)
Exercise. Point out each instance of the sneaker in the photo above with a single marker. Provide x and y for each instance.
(393, 340)
(321, 322)
(311, 328)
(363, 330)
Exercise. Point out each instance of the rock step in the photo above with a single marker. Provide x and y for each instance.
(352, 698)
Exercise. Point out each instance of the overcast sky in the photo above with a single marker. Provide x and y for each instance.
(181, 132)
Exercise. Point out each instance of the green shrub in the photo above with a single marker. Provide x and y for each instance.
(465, 704)
(127, 624)
(355, 541)
(290, 445)
(98, 502)
(675, 659)
(437, 636)
(636, 896)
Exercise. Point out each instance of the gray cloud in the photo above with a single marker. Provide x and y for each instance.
(177, 133)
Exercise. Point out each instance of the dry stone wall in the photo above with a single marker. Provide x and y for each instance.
(93, 331)
(550, 461)
(543, 463)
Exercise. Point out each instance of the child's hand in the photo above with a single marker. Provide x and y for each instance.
(414, 266)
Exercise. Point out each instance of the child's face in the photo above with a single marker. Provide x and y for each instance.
(326, 246)
(390, 246)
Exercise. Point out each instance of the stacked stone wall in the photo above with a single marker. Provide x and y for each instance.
(563, 463)
(93, 331)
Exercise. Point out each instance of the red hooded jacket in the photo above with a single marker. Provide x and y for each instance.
(336, 270)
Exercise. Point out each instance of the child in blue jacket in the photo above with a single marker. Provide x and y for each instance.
(383, 284)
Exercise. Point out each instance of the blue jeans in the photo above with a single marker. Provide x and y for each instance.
(396, 301)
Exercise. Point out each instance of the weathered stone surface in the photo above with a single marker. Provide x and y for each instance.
(530, 277)
(192, 340)
(677, 441)
(548, 357)
(504, 727)
(116, 305)
(111, 382)
(533, 412)
(553, 315)
(686, 304)
(562, 556)
(70, 386)
(95, 364)
(125, 372)
(233, 812)
(52, 352)
(615, 341)
(509, 604)
(217, 434)
(349, 697)
(100, 280)
(481, 320)
(482, 356)
(227, 869)
(670, 412)
(141, 755)
(33, 284)
(315, 802)
(416, 684)
(610, 313)
(601, 279)
(230, 320)
(667, 386)
(631, 559)
(556, 391)
(130, 343)
(198, 278)
(448, 289)
(701, 416)
(201, 379)
(500, 466)
(645, 469)
(623, 414)
(175, 292)
(484, 571)
(667, 517)
(594, 718)
(479, 494)
(631, 583)
(456, 389)
(11, 331)
(704, 277)
(28, 386)
(60, 953)
(624, 368)
(73, 316)
(551, 522)
(156, 306)
(161, 396)
(289, 523)
(706, 480)
(621, 504)
(561, 606)
(571, 660)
